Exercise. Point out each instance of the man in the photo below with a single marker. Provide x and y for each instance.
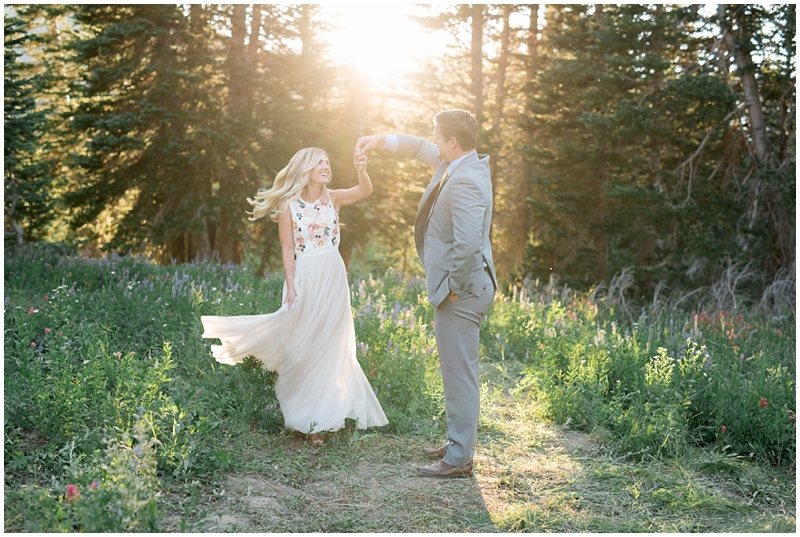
(451, 232)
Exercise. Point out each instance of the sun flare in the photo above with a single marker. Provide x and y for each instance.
(378, 38)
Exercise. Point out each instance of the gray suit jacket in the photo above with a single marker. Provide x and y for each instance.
(453, 243)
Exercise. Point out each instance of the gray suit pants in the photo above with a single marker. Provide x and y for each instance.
(457, 327)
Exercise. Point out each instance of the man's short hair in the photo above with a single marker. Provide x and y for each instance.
(458, 124)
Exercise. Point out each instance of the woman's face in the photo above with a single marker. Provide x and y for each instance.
(321, 173)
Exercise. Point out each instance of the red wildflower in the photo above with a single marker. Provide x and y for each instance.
(72, 493)
(33, 343)
(46, 330)
(763, 402)
(30, 311)
(724, 428)
(45, 298)
(94, 484)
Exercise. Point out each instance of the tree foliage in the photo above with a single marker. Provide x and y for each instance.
(26, 171)
(658, 138)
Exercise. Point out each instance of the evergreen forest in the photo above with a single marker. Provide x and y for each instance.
(643, 147)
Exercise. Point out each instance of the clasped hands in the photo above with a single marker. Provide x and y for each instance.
(360, 160)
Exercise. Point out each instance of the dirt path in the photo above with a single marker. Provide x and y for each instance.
(529, 476)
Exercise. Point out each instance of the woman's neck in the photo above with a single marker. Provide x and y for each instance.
(312, 192)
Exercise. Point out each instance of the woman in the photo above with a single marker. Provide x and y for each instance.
(311, 340)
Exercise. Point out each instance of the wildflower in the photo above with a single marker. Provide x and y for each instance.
(31, 311)
(46, 330)
(118, 354)
(132, 353)
(724, 428)
(94, 484)
(60, 333)
(45, 298)
(72, 493)
(373, 372)
(763, 402)
(33, 343)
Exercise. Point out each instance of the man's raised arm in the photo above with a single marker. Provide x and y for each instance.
(403, 144)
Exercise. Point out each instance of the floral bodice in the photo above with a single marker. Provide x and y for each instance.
(315, 225)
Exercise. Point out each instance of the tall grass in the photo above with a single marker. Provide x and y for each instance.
(95, 348)
(661, 383)
(111, 394)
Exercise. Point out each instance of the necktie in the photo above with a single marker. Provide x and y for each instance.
(438, 191)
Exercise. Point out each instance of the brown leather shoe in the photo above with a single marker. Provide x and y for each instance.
(316, 439)
(435, 452)
(442, 469)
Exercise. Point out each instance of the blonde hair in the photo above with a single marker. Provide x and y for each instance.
(288, 184)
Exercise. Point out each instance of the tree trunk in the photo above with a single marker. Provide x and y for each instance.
(229, 249)
(476, 73)
(502, 64)
(196, 18)
(598, 234)
(306, 57)
(744, 63)
(255, 32)
(10, 220)
(349, 128)
(499, 101)
(236, 62)
(524, 217)
(648, 238)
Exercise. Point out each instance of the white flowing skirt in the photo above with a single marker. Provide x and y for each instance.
(311, 346)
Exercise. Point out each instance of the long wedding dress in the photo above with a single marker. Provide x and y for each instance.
(312, 346)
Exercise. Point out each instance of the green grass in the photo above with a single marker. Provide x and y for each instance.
(589, 422)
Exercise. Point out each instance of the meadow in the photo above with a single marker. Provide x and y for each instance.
(596, 415)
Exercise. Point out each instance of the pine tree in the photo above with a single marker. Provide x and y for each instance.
(624, 98)
(27, 174)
